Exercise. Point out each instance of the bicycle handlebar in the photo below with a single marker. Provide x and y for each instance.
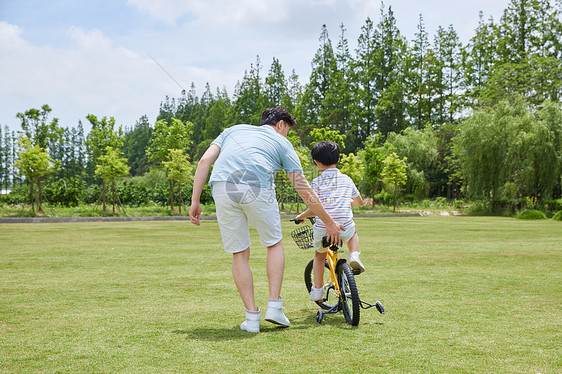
(297, 221)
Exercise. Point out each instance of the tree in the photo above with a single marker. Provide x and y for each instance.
(478, 58)
(314, 104)
(337, 106)
(3, 163)
(366, 95)
(37, 129)
(541, 165)
(419, 147)
(34, 164)
(166, 137)
(178, 171)
(511, 151)
(394, 175)
(135, 143)
(373, 155)
(275, 85)
(418, 78)
(529, 27)
(102, 135)
(325, 134)
(390, 75)
(448, 52)
(109, 167)
(248, 97)
(290, 99)
(529, 54)
(352, 166)
(218, 118)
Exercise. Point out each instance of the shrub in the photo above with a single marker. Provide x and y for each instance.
(65, 191)
(554, 205)
(558, 216)
(15, 198)
(531, 214)
(384, 198)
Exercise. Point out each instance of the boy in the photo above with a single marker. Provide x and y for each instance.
(337, 193)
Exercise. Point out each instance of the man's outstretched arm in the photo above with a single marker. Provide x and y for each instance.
(314, 204)
(201, 174)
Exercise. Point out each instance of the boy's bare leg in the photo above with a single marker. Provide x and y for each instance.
(243, 278)
(275, 267)
(318, 269)
(353, 243)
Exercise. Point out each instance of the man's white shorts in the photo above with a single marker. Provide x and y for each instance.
(239, 204)
(318, 234)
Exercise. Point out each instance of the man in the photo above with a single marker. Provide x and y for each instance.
(246, 159)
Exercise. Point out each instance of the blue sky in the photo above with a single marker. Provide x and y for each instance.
(93, 57)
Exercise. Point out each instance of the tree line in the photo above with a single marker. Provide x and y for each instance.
(429, 117)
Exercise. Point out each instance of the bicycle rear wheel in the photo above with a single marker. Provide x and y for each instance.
(330, 297)
(349, 294)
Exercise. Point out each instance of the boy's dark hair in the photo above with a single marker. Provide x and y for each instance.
(327, 153)
(271, 116)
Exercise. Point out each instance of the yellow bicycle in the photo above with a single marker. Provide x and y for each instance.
(340, 291)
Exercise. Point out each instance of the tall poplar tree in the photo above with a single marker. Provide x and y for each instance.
(390, 75)
(314, 105)
(448, 83)
(248, 96)
(478, 59)
(366, 94)
(418, 77)
(275, 85)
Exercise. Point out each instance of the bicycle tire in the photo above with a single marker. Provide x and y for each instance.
(349, 295)
(329, 293)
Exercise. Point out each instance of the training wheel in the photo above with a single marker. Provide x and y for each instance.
(319, 316)
(379, 306)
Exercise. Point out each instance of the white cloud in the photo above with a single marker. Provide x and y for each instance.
(214, 12)
(91, 76)
(10, 37)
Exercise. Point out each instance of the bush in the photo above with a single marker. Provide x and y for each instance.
(65, 191)
(554, 205)
(558, 216)
(531, 214)
(384, 198)
(15, 198)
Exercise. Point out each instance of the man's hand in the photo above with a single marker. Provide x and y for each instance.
(333, 231)
(195, 213)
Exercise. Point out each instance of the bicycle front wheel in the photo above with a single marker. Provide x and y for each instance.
(349, 295)
(330, 297)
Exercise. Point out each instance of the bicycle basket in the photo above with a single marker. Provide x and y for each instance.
(302, 236)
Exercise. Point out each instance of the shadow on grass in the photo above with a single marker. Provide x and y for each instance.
(301, 320)
(216, 334)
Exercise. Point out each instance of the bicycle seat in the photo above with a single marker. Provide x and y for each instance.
(326, 243)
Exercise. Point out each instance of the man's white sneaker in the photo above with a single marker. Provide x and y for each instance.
(316, 294)
(275, 314)
(355, 262)
(252, 322)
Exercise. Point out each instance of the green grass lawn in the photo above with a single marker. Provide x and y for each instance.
(462, 295)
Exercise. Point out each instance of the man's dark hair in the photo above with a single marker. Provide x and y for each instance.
(271, 116)
(327, 153)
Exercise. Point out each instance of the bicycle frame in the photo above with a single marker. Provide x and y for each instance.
(332, 259)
